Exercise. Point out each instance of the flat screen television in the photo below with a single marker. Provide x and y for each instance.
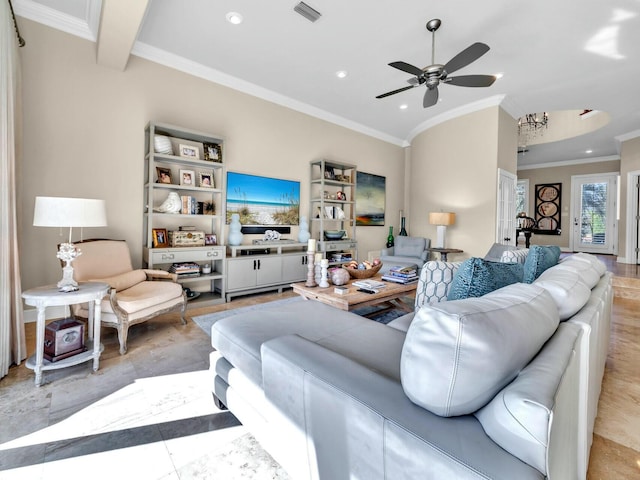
(263, 201)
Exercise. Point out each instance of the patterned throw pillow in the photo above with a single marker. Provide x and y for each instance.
(435, 281)
(477, 277)
(539, 259)
(515, 256)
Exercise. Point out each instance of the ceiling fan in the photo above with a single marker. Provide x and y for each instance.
(436, 73)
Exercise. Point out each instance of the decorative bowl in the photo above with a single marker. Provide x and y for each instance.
(162, 144)
(355, 273)
(334, 234)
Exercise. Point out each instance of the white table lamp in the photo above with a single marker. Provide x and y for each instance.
(69, 212)
(441, 219)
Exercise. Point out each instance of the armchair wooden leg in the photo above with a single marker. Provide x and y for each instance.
(123, 331)
(184, 308)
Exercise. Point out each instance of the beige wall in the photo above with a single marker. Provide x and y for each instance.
(561, 175)
(629, 162)
(454, 168)
(84, 136)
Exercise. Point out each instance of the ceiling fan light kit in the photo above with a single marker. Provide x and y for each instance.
(432, 75)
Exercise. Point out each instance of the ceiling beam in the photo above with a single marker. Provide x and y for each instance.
(120, 22)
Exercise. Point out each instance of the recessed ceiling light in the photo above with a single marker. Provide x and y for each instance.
(234, 17)
(589, 151)
(404, 106)
(499, 75)
(341, 73)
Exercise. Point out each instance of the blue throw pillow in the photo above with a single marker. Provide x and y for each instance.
(538, 260)
(477, 277)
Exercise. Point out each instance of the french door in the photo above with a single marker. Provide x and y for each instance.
(594, 213)
(506, 203)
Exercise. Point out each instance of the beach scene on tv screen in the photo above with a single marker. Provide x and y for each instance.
(262, 200)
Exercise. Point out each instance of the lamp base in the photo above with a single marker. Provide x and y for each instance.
(67, 284)
(440, 235)
(67, 253)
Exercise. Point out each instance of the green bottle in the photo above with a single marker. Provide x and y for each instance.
(390, 238)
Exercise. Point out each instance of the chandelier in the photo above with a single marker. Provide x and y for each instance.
(530, 126)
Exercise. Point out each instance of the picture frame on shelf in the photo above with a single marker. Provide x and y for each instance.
(187, 178)
(207, 180)
(210, 239)
(213, 152)
(164, 175)
(329, 173)
(160, 238)
(341, 196)
(189, 151)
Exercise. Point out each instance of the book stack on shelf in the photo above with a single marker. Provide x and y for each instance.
(400, 274)
(185, 269)
(190, 206)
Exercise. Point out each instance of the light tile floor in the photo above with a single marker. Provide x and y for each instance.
(149, 415)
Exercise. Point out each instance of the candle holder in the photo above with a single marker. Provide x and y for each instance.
(311, 274)
(324, 279)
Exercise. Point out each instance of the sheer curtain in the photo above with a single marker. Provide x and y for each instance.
(12, 341)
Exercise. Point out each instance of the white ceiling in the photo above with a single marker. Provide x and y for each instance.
(554, 55)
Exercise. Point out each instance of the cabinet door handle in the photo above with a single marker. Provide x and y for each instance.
(254, 264)
(212, 254)
(258, 264)
(167, 256)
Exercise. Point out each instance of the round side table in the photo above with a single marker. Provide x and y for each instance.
(50, 296)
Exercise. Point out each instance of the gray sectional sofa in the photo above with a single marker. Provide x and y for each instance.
(502, 386)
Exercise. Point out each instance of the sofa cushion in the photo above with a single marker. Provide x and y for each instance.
(497, 250)
(519, 417)
(458, 355)
(587, 272)
(239, 337)
(435, 281)
(538, 260)
(477, 277)
(595, 262)
(566, 288)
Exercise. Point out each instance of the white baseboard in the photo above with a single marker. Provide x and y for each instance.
(31, 314)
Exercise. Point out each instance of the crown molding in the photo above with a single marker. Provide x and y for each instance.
(176, 62)
(577, 161)
(86, 28)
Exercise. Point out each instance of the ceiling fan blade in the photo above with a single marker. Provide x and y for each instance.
(406, 67)
(471, 80)
(395, 91)
(430, 97)
(465, 57)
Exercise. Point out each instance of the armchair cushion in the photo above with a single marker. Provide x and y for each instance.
(145, 295)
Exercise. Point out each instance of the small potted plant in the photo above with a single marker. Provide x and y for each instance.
(209, 208)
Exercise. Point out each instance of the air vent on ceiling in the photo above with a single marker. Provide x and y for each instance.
(307, 12)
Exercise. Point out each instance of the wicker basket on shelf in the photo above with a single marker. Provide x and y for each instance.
(360, 274)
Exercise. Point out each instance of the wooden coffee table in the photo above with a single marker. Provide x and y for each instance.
(387, 297)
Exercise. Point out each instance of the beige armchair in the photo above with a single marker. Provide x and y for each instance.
(135, 295)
